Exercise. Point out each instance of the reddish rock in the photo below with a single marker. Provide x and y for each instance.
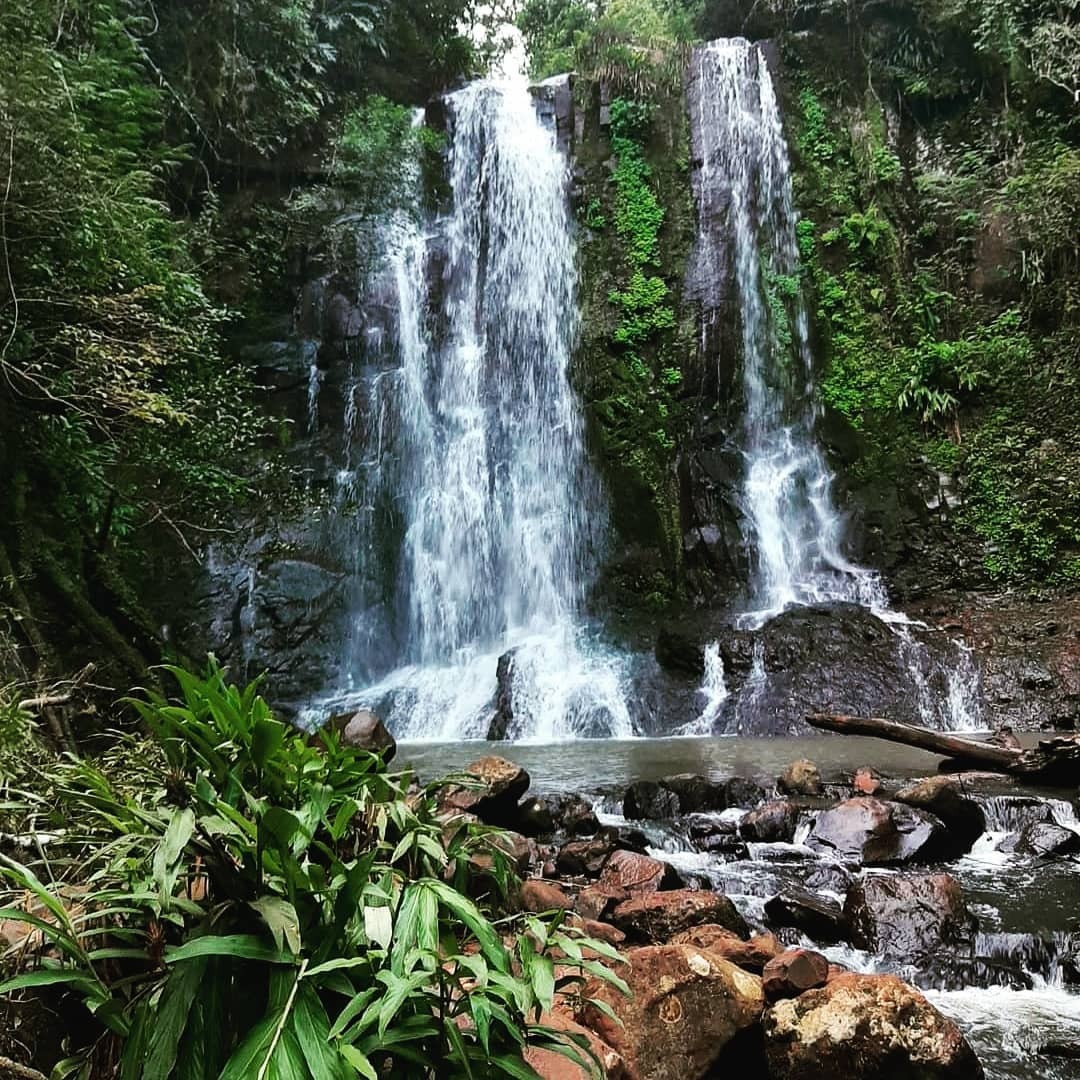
(584, 857)
(602, 931)
(598, 901)
(750, 955)
(686, 1006)
(867, 781)
(865, 1027)
(637, 874)
(793, 973)
(800, 778)
(494, 794)
(551, 1065)
(537, 895)
(657, 917)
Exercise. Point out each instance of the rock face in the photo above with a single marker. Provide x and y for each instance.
(874, 832)
(800, 778)
(687, 1005)
(1047, 839)
(363, 730)
(820, 918)
(908, 916)
(657, 917)
(771, 823)
(865, 1027)
(943, 797)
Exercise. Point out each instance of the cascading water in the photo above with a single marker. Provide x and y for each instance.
(748, 234)
(480, 503)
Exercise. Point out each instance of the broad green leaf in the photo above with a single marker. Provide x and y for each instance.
(267, 739)
(171, 1017)
(515, 1067)
(73, 977)
(244, 946)
(281, 919)
(311, 1026)
(358, 1061)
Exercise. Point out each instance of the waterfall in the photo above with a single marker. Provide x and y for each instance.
(479, 513)
(748, 238)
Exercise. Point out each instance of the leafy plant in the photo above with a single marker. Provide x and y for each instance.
(255, 903)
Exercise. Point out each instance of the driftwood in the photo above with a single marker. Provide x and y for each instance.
(1052, 761)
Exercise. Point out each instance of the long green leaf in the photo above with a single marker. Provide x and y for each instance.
(244, 946)
(311, 1026)
(171, 1017)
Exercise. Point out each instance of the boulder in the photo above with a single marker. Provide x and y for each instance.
(908, 917)
(637, 874)
(551, 1065)
(943, 797)
(648, 800)
(598, 901)
(657, 917)
(1047, 839)
(800, 778)
(865, 1027)
(696, 794)
(686, 1006)
(771, 823)
(740, 793)
(585, 857)
(546, 815)
(816, 916)
(537, 895)
(494, 796)
(867, 781)
(363, 730)
(875, 832)
(750, 955)
(792, 973)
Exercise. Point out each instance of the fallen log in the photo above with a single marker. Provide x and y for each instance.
(1053, 761)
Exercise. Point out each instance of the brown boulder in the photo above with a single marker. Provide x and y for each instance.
(537, 895)
(585, 857)
(800, 778)
(493, 792)
(637, 874)
(363, 730)
(875, 832)
(750, 955)
(908, 916)
(771, 823)
(865, 1027)
(793, 973)
(656, 917)
(551, 1065)
(598, 901)
(686, 1005)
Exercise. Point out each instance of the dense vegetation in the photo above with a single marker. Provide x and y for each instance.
(232, 898)
(131, 135)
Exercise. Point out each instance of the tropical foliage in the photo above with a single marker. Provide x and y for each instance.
(242, 900)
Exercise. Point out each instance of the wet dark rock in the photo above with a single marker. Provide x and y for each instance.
(502, 719)
(829, 877)
(697, 794)
(584, 858)
(816, 916)
(680, 652)
(909, 916)
(363, 730)
(549, 814)
(772, 823)
(800, 778)
(793, 972)
(1047, 840)
(494, 795)
(658, 916)
(943, 797)
(865, 1027)
(874, 832)
(648, 800)
(742, 794)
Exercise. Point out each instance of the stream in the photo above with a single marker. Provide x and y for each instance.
(1011, 997)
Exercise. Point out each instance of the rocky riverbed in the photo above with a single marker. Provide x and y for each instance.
(815, 921)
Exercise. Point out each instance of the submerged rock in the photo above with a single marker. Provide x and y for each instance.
(865, 1027)
(874, 832)
(686, 1006)
(909, 916)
